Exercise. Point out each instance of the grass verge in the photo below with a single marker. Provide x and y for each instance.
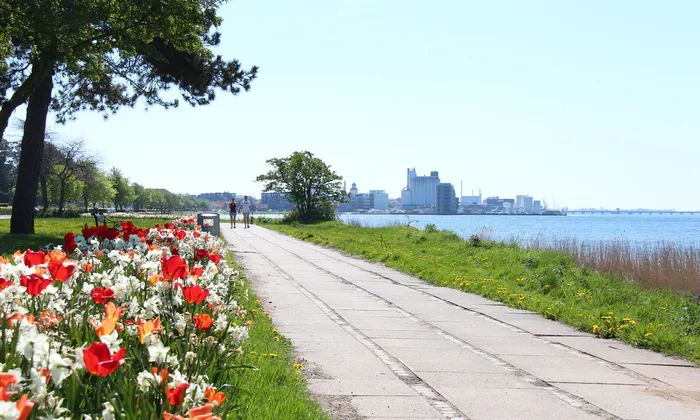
(544, 281)
(277, 389)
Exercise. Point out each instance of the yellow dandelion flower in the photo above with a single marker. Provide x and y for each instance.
(647, 334)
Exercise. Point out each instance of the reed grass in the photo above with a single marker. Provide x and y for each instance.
(659, 265)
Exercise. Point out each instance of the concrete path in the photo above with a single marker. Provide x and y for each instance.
(380, 344)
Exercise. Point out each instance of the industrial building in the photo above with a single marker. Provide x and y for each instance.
(420, 191)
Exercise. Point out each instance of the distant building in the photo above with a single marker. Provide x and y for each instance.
(447, 202)
(467, 200)
(380, 200)
(523, 204)
(537, 206)
(276, 201)
(360, 201)
(353, 189)
(420, 191)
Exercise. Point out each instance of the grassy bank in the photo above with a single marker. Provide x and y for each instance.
(544, 281)
(276, 389)
(52, 230)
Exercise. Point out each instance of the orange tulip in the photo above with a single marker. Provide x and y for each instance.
(154, 279)
(87, 267)
(113, 312)
(215, 398)
(147, 327)
(202, 413)
(3, 260)
(6, 379)
(24, 406)
(106, 327)
(57, 255)
(203, 322)
(40, 271)
(163, 374)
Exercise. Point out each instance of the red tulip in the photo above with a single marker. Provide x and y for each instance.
(175, 395)
(100, 361)
(61, 272)
(197, 271)
(32, 258)
(5, 283)
(69, 244)
(195, 294)
(34, 283)
(203, 322)
(101, 296)
(174, 268)
(196, 234)
(200, 254)
(215, 258)
(180, 234)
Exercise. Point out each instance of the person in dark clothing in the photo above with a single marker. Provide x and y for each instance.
(233, 211)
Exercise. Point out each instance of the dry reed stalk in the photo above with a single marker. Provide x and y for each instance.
(661, 265)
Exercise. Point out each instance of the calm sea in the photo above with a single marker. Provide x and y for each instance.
(640, 228)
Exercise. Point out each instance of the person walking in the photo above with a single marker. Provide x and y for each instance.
(246, 207)
(233, 211)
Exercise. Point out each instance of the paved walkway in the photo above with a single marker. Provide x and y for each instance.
(378, 344)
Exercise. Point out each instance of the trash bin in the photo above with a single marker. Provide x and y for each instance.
(209, 222)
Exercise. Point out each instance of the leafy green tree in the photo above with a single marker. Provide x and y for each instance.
(157, 199)
(71, 159)
(8, 169)
(308, 183)
(100, 55)
(97, 186)
(63, 187)
(142, 197)
(123, 193)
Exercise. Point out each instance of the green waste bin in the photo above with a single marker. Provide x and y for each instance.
(209, 222)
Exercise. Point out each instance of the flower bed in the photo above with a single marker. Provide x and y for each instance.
(130, 322)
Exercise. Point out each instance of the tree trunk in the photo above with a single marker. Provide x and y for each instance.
(61, 199)
(44, 193)
(30, 158)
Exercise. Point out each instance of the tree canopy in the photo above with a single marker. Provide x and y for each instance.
(100, 55)
(308, 182)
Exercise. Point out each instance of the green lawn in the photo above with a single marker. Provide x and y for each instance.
(52, 230)
(547, 282)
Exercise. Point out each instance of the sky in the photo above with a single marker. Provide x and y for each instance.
(586, 104)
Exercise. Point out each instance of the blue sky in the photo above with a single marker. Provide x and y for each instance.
(587, 103)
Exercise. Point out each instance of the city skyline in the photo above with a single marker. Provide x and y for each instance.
(569, 102)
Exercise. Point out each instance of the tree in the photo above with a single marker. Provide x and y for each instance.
(123, 193)
(71, 159)
(142, 197)
(8, 169)
(63, 187)
(96, 186)
(308, 183)
(72, 55)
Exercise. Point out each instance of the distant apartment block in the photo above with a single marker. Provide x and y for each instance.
(447, 202)
(380, 199)
(420, 191)
(537, 206)
(523, 204)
